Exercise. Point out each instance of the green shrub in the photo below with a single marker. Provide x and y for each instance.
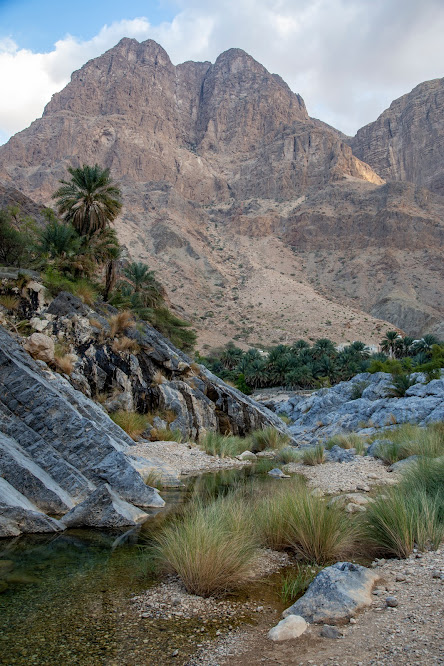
(268, 438)
(225, 446)
(318, 533)
(401, 382)
(131, 422)
(357, 390)
(211, 548)
(314, 455)
(403, 518)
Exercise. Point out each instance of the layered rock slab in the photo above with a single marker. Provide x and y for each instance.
(56, 445)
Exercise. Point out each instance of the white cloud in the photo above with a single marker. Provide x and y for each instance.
(348, 58)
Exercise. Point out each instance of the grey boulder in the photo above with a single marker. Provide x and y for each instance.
(104, 508)
(336, 594)
(338, 454)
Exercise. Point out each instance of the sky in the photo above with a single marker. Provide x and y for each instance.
(347, 58)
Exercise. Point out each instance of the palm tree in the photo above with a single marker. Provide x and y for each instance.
(324, 346)
(90, 201)
(139, 274)
(58, 240)
(299, 345)
(388, 344)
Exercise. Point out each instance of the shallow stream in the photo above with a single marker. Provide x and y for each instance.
(68, 596)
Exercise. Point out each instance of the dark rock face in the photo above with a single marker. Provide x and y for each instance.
(199, 400)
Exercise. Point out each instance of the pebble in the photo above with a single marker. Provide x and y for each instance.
(391, 602)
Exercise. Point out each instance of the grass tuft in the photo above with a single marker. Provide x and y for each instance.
(211, 548)
(10, 303)
(120, 323)
(225, 446)
(268, 438)
(314, 455)
(125, 344)
(132, 423)
(295, 582)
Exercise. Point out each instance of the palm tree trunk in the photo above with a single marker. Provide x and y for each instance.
(110, 278)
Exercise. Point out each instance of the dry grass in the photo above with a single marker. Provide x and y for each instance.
(85, 292)
(65, 364)
(131, 422)
(120, 323)
(292, 517)
(125, 344)
(165, 435)
(10, 303)
(157, 378)
(268, 438)
(96, 323)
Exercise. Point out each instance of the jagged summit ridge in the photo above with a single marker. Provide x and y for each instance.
(228, 185)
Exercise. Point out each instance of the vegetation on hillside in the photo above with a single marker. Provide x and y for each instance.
(307, 366)
(79, 252)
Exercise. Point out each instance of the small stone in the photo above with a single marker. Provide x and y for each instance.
(391, 602)
(363, 487)
(290, 627)
(175, 653)
(353, 620)
(400, 578)
(436, 574)
(328, 631)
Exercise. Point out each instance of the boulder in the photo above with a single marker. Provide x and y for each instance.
(336, 594)
(18, 514)
(278, 474)
(340, 455)
(403, 464)
(290, 627)
(377, 444)
(41, 347)
(246, 455)
(104, 508)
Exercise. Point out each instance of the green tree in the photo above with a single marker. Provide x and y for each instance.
(90, 200)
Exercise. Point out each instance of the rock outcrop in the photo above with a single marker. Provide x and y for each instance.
(60, 453)
(56, 446)
(406, 142)
(328, 412)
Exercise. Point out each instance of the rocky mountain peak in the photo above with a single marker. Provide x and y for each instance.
(406, 142)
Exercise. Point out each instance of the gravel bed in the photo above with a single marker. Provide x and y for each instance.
(409, 633)
(358, 475)
(170, 600)
(184, 458)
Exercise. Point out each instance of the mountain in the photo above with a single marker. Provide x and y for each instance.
(260, 221)
(406, 142)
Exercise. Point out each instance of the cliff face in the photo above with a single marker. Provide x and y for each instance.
(227, 182)
(406, 142)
